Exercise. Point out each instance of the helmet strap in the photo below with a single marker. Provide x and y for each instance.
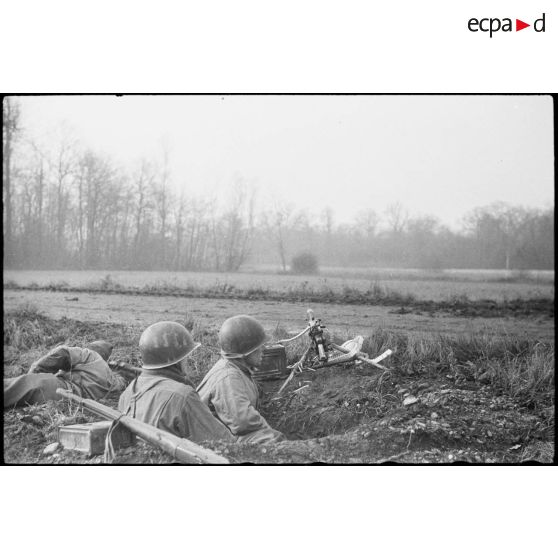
(231, 356)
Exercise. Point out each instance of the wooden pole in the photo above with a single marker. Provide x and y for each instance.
(181, 449)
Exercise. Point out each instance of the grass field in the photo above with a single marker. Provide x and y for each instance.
(390, 284)
(379, 274)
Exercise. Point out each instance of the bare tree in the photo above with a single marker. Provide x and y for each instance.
(535, 247)
(277, 221)
(179, 215)
(328, 219)
(62, 166)
(162, 198)
(367, 221)
(10, 128)
(198, 227)
(63, 169)
(512, 222)
(396, 218)
(142, 184)
(232, 230)
(497, 229)
(422, 242)
(27, 204)
(216, 240)
(97, 203)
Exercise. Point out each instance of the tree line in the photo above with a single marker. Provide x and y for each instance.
(497, 236)
(66, 206)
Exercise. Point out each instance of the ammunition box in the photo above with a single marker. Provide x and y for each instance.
(274, 364)
(90, 437)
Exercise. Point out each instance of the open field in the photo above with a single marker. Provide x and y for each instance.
(142, 310)
(484, 385)
(408, 274)
(401, 285)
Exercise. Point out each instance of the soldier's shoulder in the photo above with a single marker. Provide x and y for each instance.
(179, 393)
(158, 386)
(221, 370)
(171, 390)
(183, 389)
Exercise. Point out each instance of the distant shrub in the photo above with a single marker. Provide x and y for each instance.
(107, 283)
(304, 262)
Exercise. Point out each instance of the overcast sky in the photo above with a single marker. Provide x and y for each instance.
(438, 155)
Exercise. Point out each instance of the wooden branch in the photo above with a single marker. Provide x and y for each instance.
(181, 449)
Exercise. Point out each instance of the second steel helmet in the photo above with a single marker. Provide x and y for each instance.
(165, 343)
(241, 335)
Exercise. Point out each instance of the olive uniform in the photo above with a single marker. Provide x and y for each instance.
(167, 400)
(232, 394)
(81, 370)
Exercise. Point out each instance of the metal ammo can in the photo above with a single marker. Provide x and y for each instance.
(90, 437)
(274, 364)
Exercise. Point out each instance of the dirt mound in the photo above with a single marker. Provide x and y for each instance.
(372, 417)
(342, 417)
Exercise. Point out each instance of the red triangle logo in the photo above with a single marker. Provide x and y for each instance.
(519, 25)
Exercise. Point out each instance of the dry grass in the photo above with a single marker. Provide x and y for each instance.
(528, 375)
(28, 334)
(402, 274)
(542, 452)
(523, 368)
(376, 285)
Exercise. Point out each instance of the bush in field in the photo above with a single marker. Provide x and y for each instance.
(304, 262)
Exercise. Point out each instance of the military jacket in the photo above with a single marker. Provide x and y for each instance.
(167, 400)
(233, 396)
(82, 370)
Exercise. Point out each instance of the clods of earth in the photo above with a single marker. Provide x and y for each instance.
(344, 414)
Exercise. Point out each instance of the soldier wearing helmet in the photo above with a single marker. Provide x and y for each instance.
(162, 395)
(82, 370)
(228, 388)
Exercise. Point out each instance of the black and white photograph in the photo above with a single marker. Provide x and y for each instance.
(278, 279)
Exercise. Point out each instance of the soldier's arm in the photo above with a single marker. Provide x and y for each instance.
(233, 406)
(51, 363)
(202, 425)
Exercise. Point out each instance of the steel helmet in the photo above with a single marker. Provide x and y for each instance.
(241, 335)
(165, 343)
(103, 348)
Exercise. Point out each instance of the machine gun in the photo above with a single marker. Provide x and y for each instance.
(322, 352)
(317, 333)
(274, 361)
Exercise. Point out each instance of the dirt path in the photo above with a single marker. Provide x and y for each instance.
(142, 310)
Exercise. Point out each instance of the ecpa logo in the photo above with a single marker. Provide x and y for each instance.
(492, 25)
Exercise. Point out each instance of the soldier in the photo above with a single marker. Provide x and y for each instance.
(162, 395)
(84, 371)
(229, 389)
